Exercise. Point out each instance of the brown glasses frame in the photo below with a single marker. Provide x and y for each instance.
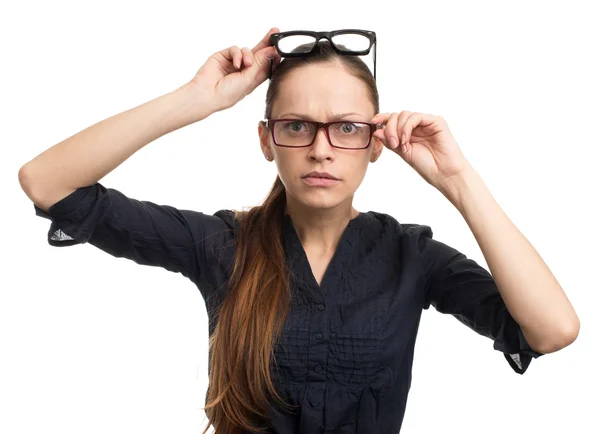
(374, 127)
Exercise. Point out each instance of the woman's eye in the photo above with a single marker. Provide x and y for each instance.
(348, 127)
(295, 126)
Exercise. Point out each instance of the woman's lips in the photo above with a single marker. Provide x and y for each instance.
(320, 182)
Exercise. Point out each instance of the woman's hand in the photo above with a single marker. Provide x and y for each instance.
(232, 73)
(430, 147)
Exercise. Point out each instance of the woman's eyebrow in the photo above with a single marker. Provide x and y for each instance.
(334, 117)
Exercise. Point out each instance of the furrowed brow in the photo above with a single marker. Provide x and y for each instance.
(333, 117)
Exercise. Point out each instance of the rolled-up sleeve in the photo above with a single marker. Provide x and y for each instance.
(178, 240)
(459, 286)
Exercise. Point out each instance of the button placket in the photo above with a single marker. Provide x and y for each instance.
(318, 347)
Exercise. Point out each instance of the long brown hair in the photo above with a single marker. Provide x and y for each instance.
(254, 310)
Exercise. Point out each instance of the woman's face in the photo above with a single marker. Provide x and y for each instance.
(321, 92)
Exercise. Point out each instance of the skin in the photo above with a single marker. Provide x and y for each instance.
(319, 92)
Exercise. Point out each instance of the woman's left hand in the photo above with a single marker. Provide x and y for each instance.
(431, 148)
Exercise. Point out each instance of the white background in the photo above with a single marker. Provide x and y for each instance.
(95, 344)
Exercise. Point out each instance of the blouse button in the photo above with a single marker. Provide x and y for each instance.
(321, 307)
(319, 335)
(318, 368)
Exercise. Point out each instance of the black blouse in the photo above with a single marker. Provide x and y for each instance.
(345, 354)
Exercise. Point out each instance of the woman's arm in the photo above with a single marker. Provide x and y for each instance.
(86, 157)
(531, 292)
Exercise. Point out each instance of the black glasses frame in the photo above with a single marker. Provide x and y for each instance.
(276, 37)
(271, 123)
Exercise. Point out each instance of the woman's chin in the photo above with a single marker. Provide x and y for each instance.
(319, 200)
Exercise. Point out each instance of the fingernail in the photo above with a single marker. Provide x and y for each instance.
(403, 138)
(393, 142)
(404, 148)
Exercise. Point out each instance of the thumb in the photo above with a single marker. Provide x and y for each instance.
(380, 135)
(262, 62)
(264, 55)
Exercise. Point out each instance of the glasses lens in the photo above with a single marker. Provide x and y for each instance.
(293, 133)
(296, 44)
(350, 135)
(351, 42)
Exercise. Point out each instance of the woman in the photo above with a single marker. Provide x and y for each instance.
(313, 306)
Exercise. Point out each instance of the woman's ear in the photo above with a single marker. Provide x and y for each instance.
(377, 148)
(263, 136)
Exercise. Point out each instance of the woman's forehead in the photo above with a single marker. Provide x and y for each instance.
(328, 93)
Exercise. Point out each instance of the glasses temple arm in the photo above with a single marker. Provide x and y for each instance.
(375, 61)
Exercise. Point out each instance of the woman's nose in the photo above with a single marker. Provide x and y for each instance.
(321, 146)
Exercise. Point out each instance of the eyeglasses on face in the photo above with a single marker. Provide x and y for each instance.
(297, 43)
(301, 133)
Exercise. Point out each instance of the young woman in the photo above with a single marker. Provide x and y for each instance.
(313, 305)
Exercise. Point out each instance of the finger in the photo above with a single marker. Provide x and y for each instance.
(265, 40)
(259, 70)
(232, 54)
(380, 133)
(391, 131)
(404, 115)
(380, 118)
(227, 52)
(413, 121)
(247, 56)
(236, 56)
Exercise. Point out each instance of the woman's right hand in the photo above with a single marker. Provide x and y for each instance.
(232, 73)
